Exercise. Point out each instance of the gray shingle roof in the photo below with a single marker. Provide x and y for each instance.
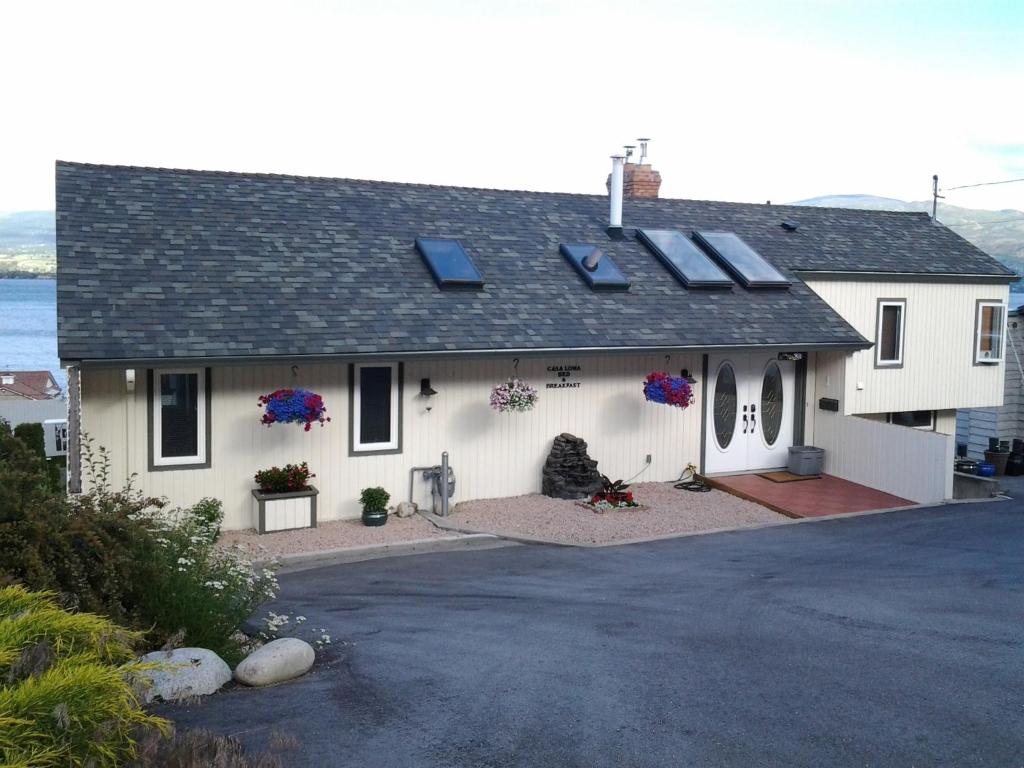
(156, 263)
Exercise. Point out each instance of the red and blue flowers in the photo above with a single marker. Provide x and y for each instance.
(298, 406)
(659, 387)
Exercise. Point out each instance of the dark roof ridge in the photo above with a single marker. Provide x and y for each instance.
(424, 185)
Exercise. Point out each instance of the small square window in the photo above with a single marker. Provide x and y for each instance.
(376, 408)
(179, 418)
(988, 331)
(915, 419)
(890, 331)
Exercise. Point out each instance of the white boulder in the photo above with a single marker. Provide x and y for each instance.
(184, 672)
(405, 509)
(275, 662)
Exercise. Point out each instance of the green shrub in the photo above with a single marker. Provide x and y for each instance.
(374, 499)
(123, 555)
(206, 591)
(74, 704)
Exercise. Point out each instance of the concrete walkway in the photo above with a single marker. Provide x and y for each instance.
(880, 640)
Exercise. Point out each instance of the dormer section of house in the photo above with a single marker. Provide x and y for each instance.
(402, 306)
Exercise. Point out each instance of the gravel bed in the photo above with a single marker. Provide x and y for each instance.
(334, 535)
(664, 511)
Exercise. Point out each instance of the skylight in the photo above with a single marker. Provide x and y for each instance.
(595, 267)
(690, 265)
(748, 266)
(449, 263)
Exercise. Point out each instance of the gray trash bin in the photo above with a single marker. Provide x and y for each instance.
(806, 460)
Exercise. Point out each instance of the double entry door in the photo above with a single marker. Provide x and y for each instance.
(749, 412)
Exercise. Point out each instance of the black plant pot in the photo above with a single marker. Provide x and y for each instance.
(374, 518)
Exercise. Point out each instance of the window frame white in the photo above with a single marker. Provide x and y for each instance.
(201, 458)
(979, 308)
(902, 341)
(394, 445)
(929, 427)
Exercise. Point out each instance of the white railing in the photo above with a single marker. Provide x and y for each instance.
(910, 463)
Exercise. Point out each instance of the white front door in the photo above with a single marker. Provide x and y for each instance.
(749, 412)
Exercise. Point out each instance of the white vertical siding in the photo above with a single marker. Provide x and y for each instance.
(938, 370)
(976, 425)
(911, 463)
(493, 454)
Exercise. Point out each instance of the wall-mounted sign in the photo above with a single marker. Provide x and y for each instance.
(565, 377)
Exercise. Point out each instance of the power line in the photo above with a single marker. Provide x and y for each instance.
(979, 223)
(983, 184)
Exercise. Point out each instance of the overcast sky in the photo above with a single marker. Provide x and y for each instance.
(744, 101)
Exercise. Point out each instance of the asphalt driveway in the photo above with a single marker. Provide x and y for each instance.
(886, 640)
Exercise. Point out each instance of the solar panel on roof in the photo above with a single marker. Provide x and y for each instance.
(604, 276)
(449, 263)
(749, 267)
(690, 265)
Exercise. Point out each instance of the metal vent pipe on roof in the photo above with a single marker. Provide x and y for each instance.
(615, 193)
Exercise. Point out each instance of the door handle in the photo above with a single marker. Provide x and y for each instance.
(753, 418)
(744, 423)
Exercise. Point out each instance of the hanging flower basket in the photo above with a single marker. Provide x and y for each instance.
(659, 387)
(513, 395)
(297, 406)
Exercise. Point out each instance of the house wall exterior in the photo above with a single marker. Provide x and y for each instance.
(938, 371)
(493, 454)
(975, 426)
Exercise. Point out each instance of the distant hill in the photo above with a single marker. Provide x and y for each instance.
(28, 244)
(999, 233)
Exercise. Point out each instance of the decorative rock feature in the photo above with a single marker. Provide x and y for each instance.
(405, 509)
(186, 672)
(275, 662)
(569, 473)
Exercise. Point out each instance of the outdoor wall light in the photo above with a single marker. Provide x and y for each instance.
(685, 374)
(425, 389)
(129, 380)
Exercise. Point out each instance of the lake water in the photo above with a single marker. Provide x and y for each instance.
(28, 327)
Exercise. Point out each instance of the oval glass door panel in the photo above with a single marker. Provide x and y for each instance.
(725, 405)
(771, 403)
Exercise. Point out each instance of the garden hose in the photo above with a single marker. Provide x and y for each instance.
(695, 484)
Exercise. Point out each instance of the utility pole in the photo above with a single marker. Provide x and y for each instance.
(936, 197)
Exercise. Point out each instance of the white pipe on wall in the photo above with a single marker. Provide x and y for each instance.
(615, 193)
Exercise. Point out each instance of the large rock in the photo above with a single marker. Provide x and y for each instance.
(405, 509)
(186, 672)
(276, 661)
(569, 473)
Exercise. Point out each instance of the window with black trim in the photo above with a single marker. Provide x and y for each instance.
(890, 332)
(179, 418)
(988, 332)
(376, 408)
(915, 419)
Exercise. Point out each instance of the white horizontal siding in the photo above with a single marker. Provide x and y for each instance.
(911, 463)
(493, 454)
(938, 371)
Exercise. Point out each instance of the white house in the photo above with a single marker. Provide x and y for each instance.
(185, 295)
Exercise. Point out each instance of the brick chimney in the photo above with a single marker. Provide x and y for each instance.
(638, 180)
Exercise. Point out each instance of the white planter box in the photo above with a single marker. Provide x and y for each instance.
(284, 511)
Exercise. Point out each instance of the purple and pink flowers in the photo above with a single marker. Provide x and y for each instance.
(299, 406)
(659, 387)
(513, 395)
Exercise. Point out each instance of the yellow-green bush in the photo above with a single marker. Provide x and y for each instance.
(66, 696)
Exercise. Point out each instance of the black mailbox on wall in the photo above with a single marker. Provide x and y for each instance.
(828, 404)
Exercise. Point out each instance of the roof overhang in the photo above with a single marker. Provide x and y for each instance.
(163, 362)
(905, 277)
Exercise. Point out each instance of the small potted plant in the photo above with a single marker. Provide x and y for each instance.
(375, 506)
(284, 499)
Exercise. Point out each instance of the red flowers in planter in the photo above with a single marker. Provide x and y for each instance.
(298, 406)
(290, 477)
(659, 387)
